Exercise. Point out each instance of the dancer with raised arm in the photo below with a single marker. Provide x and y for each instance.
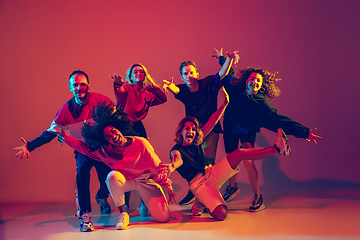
(250, 92)
(188, 159)
(200, 99)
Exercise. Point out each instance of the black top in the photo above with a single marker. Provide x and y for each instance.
(193, 161)
(202, 103)
(248, 113)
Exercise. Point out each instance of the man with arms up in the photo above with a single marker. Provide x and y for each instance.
(200, 99)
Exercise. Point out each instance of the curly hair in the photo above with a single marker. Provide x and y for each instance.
(268, 89)
(199, 133)
(148, 81)
(104, 115)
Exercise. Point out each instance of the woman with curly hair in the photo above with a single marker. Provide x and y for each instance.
(134, 96)
(187, 157)
(133, 161)
(250, 91)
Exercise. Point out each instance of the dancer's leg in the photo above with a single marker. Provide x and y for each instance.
(238, 155)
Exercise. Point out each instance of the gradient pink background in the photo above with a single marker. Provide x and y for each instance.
(313, 44)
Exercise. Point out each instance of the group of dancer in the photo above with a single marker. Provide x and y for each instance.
(112, 138)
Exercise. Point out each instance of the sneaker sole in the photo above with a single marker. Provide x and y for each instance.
(87, 230)
(261, 208)
(122, 228)
(233, 195)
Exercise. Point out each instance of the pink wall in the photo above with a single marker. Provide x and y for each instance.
(312, 44)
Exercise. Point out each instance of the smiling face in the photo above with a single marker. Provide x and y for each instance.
(254, 83)
(138, 75)
(188, 133)
(79, 87)
(189, 75)
(114, 136)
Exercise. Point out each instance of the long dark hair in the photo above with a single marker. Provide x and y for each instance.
(104, 115)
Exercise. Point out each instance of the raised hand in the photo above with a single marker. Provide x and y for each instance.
(23, 150)
(234, 55)
(217, 53)
(312, 136)
(118, 79)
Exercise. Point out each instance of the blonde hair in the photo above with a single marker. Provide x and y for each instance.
(148, 81)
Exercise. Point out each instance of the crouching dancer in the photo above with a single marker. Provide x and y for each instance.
(133, 162)
(188, 159)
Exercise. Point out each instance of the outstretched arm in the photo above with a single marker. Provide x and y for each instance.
(170, 86)
(118, 79)
(215, 117)
(45, 137)
(119, 91)
(77, 145)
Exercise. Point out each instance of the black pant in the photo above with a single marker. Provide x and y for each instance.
(84, 165)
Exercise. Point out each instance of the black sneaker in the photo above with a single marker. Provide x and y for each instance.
(189, 198)
(104, 205)
(257, 204)
(231, 192)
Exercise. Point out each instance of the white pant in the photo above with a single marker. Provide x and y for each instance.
(206, 186)
(150, 192)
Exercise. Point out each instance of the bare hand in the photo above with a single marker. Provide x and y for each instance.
(167, 168)
(61, 136)
(167, 84)
(23, 150)
(234, 55)
(217, 54)
(171, 196)
(118, 79)
(312, 136)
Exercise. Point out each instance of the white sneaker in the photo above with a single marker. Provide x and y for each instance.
(282, 144)
(123, 222)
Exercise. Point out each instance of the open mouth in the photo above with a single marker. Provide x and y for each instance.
(116, 139)
(189, 137)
